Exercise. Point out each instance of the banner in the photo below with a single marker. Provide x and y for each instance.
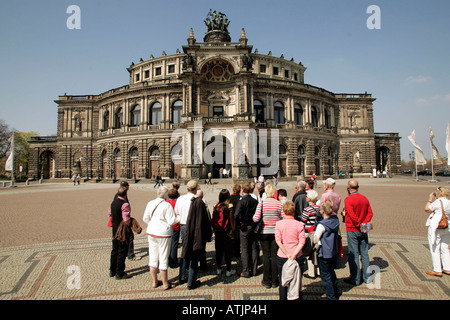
(447, 145)
(9, 161)
(434, 151)
(420, 157)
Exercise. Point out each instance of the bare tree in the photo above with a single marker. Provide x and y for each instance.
(5, 134)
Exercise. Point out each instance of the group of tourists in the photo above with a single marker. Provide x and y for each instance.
(298, 237)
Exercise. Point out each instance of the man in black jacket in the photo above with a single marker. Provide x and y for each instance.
(198, 232)
(299, 199)
(245, 209)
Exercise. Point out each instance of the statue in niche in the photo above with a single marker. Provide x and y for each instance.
(188, 61)
(247, 62)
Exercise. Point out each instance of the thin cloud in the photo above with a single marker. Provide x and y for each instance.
(447, 98)
(418, 79)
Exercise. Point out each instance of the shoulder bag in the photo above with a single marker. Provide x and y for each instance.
(443, 223)
(259, 225)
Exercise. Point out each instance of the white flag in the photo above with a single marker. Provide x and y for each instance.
(9, 161)
(447, 145)
(434, 151)
(420, 157)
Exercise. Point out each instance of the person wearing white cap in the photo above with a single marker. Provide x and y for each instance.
(330, 194)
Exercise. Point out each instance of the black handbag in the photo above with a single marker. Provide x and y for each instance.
(259, 225)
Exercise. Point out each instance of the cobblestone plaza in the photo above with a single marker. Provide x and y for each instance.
(51, 230)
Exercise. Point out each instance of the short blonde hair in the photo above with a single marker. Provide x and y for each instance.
(445, 192)
(289, 208)
(270, 190)
(192, 185)
(327, 207)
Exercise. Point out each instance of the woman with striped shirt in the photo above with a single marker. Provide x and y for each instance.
(312, 212)
(272, 212)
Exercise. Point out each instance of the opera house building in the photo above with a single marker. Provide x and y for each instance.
(214, 105)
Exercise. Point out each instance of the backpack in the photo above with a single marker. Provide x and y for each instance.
(220, 220)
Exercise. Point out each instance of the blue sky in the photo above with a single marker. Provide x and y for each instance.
(405, 65)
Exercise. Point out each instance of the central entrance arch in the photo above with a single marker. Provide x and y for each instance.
(218, 155)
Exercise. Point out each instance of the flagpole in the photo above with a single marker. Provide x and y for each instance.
(432, 162)
(13, 180)
(415, 158)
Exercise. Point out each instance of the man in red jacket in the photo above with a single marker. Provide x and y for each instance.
(357, 210)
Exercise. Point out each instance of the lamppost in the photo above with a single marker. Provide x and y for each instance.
(412, 156)
(347, 158)
(87, 166)
(113, 171)
(98, 167)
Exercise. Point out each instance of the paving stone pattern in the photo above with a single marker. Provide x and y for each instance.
(52, 232)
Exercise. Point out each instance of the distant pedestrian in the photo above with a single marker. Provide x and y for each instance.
(209, 178)
(261, 179)
(357, 210)
(74, 179)
(438, 239)
(78, 179)
(158, 181)
(314, 178)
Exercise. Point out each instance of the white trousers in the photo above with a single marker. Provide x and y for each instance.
(159, 251)
(440, 254)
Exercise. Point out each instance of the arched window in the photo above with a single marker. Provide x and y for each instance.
(317, 151)
(279, 112)
(106, 120)
(281, 149)
(118, 118)
(301, 158)
(314, 117)
(135, 116)
(258, 109)
(155, 113)
(177, 111)
(298, 114)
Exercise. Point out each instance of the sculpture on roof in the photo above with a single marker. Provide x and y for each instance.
(216, 21)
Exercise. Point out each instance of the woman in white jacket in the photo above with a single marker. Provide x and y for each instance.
(438, 239)
(160, 217)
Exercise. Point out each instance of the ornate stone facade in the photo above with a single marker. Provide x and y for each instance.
(161, 121)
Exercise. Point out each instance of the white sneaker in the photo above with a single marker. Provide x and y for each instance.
(219, 271)
(230, 273)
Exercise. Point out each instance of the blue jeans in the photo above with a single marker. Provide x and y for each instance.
(328, 275)
(173, 258)
(358, 245)
(182, 262)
